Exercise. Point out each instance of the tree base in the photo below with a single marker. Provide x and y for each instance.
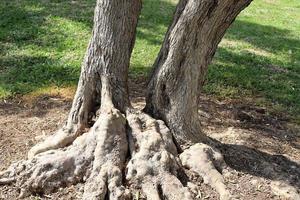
(118, 158)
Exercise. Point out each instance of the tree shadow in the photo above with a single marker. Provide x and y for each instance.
(155, 17)
(245, 71)
(36, 107)
(36, 48)
(234, 74)
(261, 164)
(253, 119)
(29, 73)
(268, 38)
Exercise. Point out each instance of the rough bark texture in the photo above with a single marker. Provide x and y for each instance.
(96, 157)
(108, 54)
(180, 68)
(204, 160)
(154, 163)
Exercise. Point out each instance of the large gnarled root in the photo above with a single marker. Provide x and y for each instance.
(55, 168)
(98, 154)
(69, 132)
(109, 158)
(205, 160)
(154, 166)
(98, 158)
(62, 138)
(78, 120)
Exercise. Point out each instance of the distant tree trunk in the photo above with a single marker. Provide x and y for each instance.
(180, 68)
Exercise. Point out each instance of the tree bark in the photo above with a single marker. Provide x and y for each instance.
(180, 68)
(107, 56)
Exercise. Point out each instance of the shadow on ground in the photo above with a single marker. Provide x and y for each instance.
(35, 39)
(261, 164)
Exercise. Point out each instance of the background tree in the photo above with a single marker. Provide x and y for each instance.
(105, 139)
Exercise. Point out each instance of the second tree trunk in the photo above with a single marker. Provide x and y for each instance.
(180, 68)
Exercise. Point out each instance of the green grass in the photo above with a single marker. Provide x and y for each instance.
(260, 56)
(42, 44)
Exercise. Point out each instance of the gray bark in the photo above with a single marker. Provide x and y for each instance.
(107, 57)
(180, 68)
(108, 54)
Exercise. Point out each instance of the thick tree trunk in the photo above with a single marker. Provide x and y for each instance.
(108, 55)
(180, 68)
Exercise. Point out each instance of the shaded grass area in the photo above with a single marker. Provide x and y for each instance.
(42, 44)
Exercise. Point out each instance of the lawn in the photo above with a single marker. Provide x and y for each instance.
(42, 44)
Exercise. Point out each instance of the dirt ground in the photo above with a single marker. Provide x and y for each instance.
(262, 149)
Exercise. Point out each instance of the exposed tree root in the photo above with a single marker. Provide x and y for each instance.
(62, 138)
(83, 107)
(98, 154)
(76, 123)
(99, 159)
(204, 160)
(154, 164)
(55, 168)
(109, 158)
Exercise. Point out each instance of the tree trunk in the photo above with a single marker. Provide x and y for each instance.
(180, 68)
(107, 56)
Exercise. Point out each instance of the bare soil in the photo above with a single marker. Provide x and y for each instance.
(261, 148)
